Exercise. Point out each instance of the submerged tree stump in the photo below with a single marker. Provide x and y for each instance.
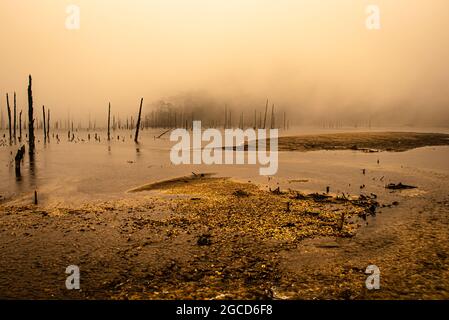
(18, 159)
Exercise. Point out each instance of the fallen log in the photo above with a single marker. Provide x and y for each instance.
(399, 186)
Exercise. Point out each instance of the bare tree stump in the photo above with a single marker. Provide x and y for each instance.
(18, 159)
(136, 137)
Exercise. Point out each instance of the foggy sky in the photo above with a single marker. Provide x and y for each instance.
(315, 59)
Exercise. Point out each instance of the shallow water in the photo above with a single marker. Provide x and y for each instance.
(73, 172)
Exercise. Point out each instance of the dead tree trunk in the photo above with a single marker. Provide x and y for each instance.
(20, 126)
(136, 138)
(9, 119)
(255, 119)
(30, 117)
(48, 125)
(109, 122)
(272, 124)
(226, 117)
(45, 127)
(15, 119)
(265, 117)
(285, 120)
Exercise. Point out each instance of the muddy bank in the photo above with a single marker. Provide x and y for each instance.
(200, 239)
(363, 141)
(214, 238)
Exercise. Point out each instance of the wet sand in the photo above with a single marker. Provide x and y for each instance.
(215, 238)
(195, 237)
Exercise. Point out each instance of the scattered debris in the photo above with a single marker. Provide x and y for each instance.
(163, 133)
(204, 240)
(298, 181)
(328, 245)
(240, 193)
(276, 191)
(289, 225)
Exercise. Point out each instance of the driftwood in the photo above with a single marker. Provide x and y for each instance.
(163, 133)
(399, 186)
(136, 137)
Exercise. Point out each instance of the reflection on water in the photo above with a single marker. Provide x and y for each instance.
(93, 170)
(32, 167)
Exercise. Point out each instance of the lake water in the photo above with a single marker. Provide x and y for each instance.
(75, 172)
